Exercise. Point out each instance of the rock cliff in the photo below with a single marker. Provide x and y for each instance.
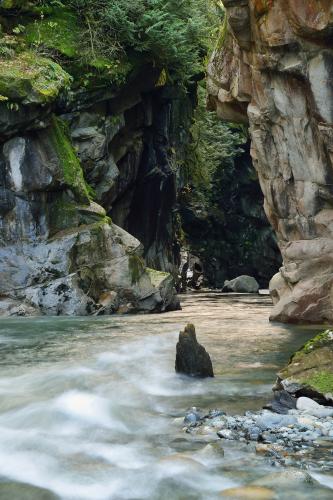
(273, 69)
(85, 155)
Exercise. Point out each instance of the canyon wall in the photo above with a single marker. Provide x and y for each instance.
(87, 188)
(273, 69)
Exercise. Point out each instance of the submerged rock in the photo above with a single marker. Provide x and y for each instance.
(282, 403)
(284, 439)
(193, 416)
(241, 284)
(250, 492)
(310, 370)
(23, 491)
(192, 358)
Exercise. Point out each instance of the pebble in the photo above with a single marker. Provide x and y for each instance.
(227, 434)
(277, 435)
(193, 416)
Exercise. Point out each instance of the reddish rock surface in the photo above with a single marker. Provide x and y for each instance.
(274, 70)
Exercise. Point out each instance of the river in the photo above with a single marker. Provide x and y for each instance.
(90, 407)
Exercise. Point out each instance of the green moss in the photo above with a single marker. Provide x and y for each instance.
(29, 78)
(319, 340)
(66, 214)
(58, 31)
(321, 382)
(136, 267)
(63, 214)
(71, 167)
(222, 34)
(156, 277)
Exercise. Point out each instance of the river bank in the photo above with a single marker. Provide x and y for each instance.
(91, 408)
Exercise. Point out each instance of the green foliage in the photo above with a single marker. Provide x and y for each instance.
(58, 31)
(214, 146)
(172, 34)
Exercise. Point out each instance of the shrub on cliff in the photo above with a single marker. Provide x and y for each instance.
(170, 34)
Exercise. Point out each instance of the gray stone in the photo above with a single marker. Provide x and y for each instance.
(242, 284)
(192, 417)
(228, 434)
(311, 407)
(274, 421)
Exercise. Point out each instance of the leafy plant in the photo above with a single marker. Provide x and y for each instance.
(171, 34)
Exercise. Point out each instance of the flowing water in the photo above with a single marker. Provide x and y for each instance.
(90, 407)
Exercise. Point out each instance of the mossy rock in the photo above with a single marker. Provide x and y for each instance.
(157, 277)
(64, 213)
(136, 267)
(69, 162)
(310, 370)
(28, 78)
(222, 34)
(321, 340)
(58, 31)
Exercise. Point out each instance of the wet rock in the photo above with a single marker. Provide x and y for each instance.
(253, 433)
(282, 403)
(258, 83)
(216, 413)
(192, 417)
(242, 284)
(12, 307)
(191, 357)
(165, 284)
(228, 434)
(274, 421)
(22, 491)
(248, 492)
(285, 479)
(311, 407)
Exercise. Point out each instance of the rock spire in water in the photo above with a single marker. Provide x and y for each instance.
(192, 358)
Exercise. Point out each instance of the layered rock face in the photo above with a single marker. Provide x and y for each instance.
(59, 252)
(74, 161)
(128, 144)
(273, 69)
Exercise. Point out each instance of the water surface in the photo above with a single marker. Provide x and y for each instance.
(90, 407)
